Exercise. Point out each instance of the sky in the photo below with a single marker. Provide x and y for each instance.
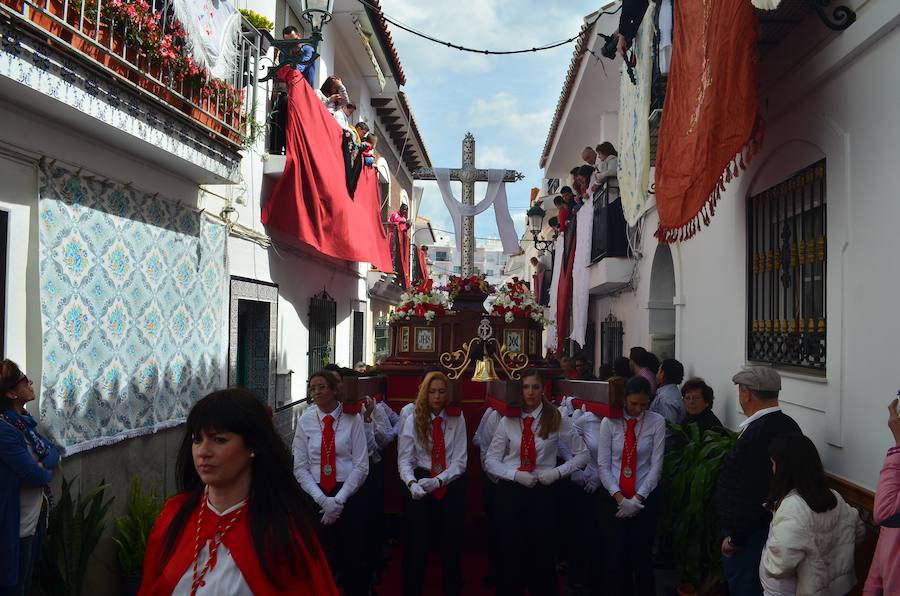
(507, 102)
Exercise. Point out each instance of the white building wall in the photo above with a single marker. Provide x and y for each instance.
(847, 115)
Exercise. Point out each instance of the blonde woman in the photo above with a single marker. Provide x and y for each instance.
(523, 455)
(431, 457)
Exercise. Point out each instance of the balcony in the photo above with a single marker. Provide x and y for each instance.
(134, 62)
(610, 270)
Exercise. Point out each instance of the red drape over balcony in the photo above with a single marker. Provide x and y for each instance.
(311, 201)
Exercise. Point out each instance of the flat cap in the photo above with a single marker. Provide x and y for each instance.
(758, 378)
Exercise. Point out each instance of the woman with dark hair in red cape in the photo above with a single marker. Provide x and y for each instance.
(239, 524)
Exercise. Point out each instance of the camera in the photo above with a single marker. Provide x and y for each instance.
(610, 46)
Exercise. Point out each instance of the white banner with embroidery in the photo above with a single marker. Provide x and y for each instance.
(213, 34)
(132, 308)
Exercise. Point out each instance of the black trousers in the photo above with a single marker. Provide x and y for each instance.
(526, 529)
(489, 494)
(628, 548)
(426, 518)
(341, 541)
(375, 519)
(278, 124)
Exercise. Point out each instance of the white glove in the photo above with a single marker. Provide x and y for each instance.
(331, 511)
(548, 477)
(629, 508)
(429, 485)
(416, 490)
(526, 479)
(592, 484)
(577, 477)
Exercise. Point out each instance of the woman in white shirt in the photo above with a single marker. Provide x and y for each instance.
(814, 532)
(331, 462)
(523, 455)
(630, 454)
(482, 439)
(431, 457)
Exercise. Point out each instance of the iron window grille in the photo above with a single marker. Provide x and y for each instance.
(611, 339)
(786, 268)
(322, 330)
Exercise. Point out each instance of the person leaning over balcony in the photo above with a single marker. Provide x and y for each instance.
(884, 574)
(239, 524)
(333, 93)
(331, 462)
(523, 455)
(607, 162)
(278, 117)
(431, 458)
(814, 532)
(745, 477)
(27, 461)
(629, 460)
(668, 402)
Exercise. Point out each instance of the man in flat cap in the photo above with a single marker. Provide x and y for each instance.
(745, 477)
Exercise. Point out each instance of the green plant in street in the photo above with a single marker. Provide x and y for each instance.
(74, 528)
(257, 20)
(133, 529)
(690, 473)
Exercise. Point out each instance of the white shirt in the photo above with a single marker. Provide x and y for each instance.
(411, 454)
(392, 416)
(405, 412)
(342, 119)
(384, 425)
(756, 416)
(224, 578)
(605, 168)
(351, 452)
(504, 457)
(483, 436)
(651, 446)
(588, 426)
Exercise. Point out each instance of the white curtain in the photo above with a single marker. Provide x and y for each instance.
(554, 289)
(665, 35)
(213, 34)
(495, 195)
(580, 272)
(634, 128)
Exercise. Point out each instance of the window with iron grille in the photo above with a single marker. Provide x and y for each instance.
(786, 272)
(359, 335)
(611, 339)
(322, 330)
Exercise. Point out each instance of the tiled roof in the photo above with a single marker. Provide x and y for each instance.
(577, 57)
(404, 101)
(373, 8)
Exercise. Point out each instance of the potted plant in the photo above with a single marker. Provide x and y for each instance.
(132, 531)
(74, 528)
(263, 25)
(690, 471)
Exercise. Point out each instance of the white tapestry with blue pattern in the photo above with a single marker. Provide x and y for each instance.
(132, 302)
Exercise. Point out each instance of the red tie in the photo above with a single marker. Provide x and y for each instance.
(327, 466)
(527, 450)
(628, 474)
(438, 455)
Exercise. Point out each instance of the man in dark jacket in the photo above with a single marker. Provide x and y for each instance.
(745, 477)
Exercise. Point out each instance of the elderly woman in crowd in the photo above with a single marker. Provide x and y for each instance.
(26, 463)
(698, 400)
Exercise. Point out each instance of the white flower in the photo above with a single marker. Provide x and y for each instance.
(508, 317)
(429, 316)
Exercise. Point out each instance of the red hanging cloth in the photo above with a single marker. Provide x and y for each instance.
(711, 125)
(311, 202)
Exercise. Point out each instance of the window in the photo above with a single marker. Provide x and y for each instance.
(441, 255)
(359, 335)
(611, 336)
(322, 331)
(457, 269)
(253, 330)
(786, 272)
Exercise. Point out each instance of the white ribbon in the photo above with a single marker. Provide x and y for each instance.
(554, 290)
(495, 195)
(580, 272)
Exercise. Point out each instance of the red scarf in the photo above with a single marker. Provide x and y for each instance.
(240, 543)
(438, 455)
(527, 448)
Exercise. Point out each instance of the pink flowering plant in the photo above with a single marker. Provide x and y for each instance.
(515, 301)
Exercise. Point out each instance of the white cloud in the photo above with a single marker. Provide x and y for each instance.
(503, 109)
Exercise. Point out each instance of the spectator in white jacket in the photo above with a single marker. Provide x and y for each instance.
(814, 532)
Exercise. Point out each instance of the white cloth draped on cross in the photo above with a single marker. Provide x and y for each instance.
(495, 195)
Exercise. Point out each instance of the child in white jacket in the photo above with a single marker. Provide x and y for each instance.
(814, 532)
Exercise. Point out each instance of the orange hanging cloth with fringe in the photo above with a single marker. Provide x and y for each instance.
(711, 125)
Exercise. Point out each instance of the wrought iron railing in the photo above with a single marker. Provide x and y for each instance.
(322, 330)
(147, 50)
(609, 234)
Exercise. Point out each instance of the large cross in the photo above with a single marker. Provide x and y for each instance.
(468, 174)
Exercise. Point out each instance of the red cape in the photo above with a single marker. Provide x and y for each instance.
(310, 202)
(240, 543)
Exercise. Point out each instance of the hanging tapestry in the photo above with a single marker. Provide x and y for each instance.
(213, 34)
(554, 291)
(711, 125)
(132, 307)
(634, 127)
(581, 277)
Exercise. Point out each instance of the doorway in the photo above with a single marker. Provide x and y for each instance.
(253, 331)
(661, 304)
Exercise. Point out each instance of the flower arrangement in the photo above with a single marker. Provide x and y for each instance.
(142, 29)
(515, 301)
(259, 21)
(421, 301)
(473, 283)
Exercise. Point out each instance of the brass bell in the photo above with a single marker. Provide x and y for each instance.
(484, 370)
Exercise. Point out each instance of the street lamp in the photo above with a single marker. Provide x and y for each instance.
(536, 223)
(302, 52)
